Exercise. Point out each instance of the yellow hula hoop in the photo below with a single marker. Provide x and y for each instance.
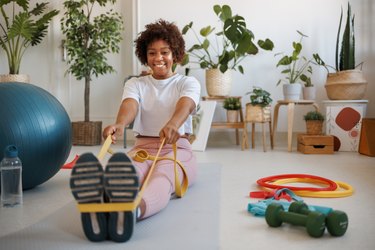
(343, 190)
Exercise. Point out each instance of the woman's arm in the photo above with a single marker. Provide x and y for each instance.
(126, 114)
(184, 108)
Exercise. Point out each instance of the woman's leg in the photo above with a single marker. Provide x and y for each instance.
(161, 184)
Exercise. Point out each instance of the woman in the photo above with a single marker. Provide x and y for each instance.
(161, 105)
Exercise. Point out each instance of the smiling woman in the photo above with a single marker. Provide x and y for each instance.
(161, 105)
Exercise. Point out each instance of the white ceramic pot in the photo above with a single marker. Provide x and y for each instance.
(309, 93)
(292, 91)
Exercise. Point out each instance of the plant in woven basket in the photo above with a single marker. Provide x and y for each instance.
(345, 55)
(89, 38)
(259, 107)
(21, 28)
(314, 122)
(347, 81)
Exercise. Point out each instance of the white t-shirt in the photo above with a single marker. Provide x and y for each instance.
(157, 100)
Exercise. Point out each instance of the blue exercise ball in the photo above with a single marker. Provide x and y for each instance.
(36, 122)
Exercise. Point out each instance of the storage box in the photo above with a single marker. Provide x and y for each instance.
(343, 121)
(315, 144)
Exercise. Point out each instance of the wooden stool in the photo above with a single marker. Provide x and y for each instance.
(291, 104)
(263, 116)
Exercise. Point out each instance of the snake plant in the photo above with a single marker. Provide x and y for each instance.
(345, 55)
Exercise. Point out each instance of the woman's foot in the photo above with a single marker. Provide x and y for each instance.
(121, 184)
(86, 183)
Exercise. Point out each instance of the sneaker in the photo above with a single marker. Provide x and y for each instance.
(86, 183)
(121, 184)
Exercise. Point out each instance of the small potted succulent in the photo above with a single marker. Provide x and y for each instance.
(259, 107)
(297, 69)
(314, 122)
(346, 82)
(232, 105)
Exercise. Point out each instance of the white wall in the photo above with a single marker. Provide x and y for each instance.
(275, 19)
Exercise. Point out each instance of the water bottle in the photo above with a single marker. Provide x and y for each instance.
(11, 178)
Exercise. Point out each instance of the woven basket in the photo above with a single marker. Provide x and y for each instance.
(314, 127)
(346, 85)
(257, 113)
(354, 91)
(217, 83)
(15, 78)
(87, 133)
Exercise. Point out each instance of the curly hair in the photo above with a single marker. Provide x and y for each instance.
(160, 30)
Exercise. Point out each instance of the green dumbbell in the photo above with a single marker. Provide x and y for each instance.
(336, 221)
(314, 221)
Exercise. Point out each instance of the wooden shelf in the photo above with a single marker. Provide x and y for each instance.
(230, 125)
(227, 125)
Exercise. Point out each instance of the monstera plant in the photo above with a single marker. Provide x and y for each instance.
(222, 49)
(22, 27)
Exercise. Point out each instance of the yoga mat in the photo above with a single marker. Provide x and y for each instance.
(188, 223)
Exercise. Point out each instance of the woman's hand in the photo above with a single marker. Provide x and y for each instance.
(170, 133)
(113, 130)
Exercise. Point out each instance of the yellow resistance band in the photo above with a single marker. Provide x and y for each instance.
(140, 155)
(343, 190)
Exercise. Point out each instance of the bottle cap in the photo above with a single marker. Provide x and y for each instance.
(11, 151)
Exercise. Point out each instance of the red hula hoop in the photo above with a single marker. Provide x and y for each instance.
(265, 182)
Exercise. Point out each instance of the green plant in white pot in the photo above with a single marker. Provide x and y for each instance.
(232, 42)
(21, 27)
(346, 82)
(89, 38)
(297, 69)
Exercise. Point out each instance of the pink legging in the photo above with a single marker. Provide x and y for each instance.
(161, 184)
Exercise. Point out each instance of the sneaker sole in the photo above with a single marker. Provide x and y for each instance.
(86, 183)
(121, 184)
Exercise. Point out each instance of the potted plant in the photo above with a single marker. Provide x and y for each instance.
(296, 69)
(259, 107)
(346, 82)
(314, 122)
(88, 40)
(21, 28)
(232, 105)
(308, 91)
(232, 42)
